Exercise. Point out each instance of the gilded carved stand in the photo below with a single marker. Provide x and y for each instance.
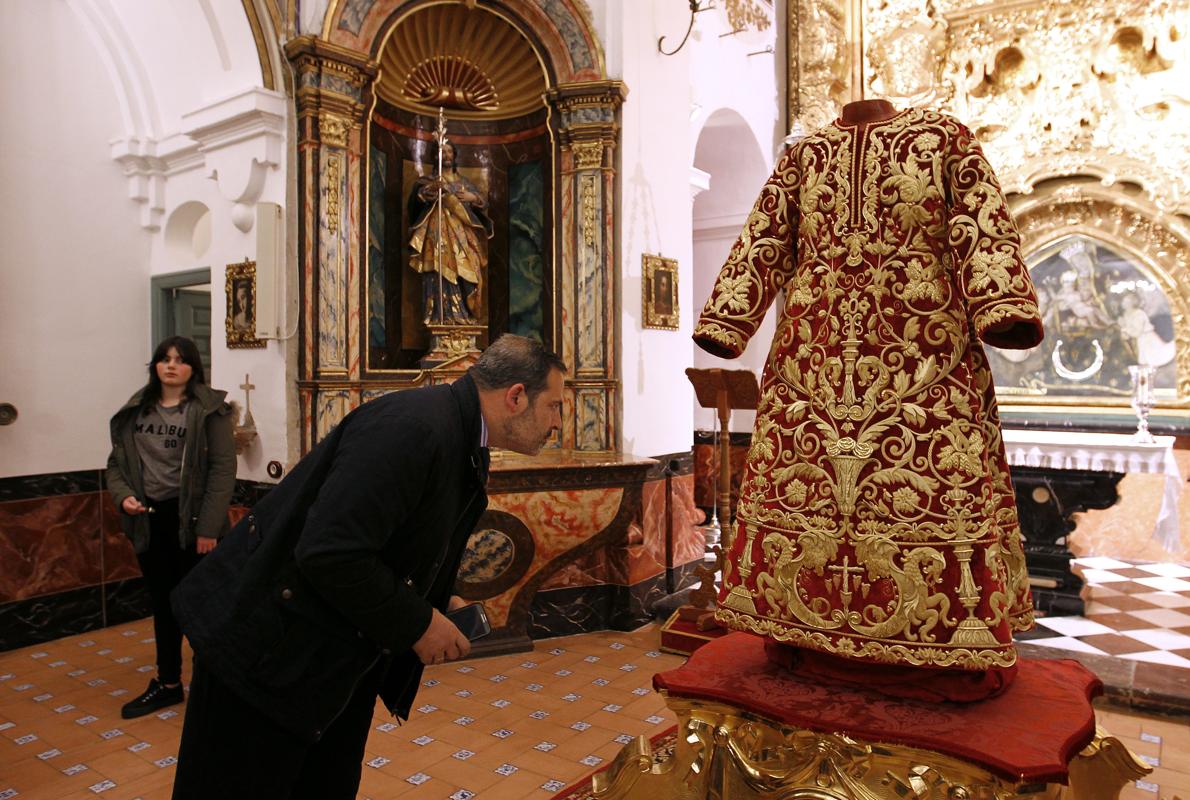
(723, 753)
(750, 729)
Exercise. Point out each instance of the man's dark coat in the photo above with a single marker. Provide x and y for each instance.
(327, 576)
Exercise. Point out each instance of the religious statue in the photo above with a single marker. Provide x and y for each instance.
(876, 521)
(449, 240)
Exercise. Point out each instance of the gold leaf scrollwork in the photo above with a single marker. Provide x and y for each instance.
(745, 14)
(589, 211)
(334, 174)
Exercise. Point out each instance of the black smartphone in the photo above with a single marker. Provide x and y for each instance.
(471, 620)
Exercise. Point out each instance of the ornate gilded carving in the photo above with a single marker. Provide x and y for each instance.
(1162, 244)
(1086, 87)
(749, 14)
(820, 83)
(588, 155)
(720, 752)
(333, 130)
(334, 180)
(905, 47)
(588, 110)
(589, 211)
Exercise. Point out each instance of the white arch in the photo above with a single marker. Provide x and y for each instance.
(729, 153)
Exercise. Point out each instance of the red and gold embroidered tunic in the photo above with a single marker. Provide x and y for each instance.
(876, 517)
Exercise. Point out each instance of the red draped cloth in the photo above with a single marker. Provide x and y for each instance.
(1029, 733)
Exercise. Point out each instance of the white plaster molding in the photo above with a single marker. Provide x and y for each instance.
(726, 226)
(136, 150)
(700, 181)
(145, 171)
(241, 139)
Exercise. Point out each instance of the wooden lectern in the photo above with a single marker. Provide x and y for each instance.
(693, 625)
(725, 390)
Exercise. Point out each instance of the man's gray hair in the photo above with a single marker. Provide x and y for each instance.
(515, 359)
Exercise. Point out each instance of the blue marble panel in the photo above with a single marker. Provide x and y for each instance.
(377, 172)
(571, 29)
(592, 420)
(331, 406)
(526, 249)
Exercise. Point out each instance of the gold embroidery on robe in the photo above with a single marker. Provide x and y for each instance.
(876, 518)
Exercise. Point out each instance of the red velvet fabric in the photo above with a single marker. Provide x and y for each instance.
(1028, 734)
(933, 685)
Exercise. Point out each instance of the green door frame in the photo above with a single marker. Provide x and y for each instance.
(162, 303)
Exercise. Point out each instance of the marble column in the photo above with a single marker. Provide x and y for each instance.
(586, 332)
(333, 95)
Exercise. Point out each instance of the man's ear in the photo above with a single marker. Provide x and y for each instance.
(515, 398)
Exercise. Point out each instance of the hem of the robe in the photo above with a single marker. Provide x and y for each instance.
(915, 654)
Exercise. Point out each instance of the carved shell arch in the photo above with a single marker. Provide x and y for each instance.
(469, 60)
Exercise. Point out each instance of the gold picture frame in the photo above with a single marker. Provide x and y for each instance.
(241, 305)
(660, 289)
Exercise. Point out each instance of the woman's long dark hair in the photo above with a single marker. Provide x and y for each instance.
(189, 353)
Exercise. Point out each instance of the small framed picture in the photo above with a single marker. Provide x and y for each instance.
(241, 305)
(660, 286)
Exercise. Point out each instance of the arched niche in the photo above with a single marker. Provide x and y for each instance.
(1102, 258)
(340, 101)
(728, 153)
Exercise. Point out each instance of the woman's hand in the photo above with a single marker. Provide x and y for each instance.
(205, 544)
(132, 506)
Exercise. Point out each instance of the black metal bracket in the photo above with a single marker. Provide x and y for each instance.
(696, 7)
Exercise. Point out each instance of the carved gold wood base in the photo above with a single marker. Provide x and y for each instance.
(726, 754)
(451, 341)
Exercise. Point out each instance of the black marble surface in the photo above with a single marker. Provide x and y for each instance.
(28, 487)
(41, 619)
(49, 617)
(1046, 501)
(125, 601)
(584, 609)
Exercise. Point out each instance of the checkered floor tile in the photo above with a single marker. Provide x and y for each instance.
(1138, 611)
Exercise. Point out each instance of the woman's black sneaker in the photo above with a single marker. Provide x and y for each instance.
(158, 695)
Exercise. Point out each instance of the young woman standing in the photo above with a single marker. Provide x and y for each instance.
(171, 472)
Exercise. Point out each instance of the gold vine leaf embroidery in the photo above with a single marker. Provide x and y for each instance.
(990, 268)
(963, 453)
(733, 293)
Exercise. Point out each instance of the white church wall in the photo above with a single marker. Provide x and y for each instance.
(670, 100)
(737, 121)
(144, 108)
(655, 217)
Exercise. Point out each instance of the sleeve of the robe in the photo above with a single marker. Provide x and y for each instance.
(986, 251)
(759, 265)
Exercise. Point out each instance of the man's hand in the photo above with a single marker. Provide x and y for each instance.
(205, 544)
(441, 642)
(455, 603)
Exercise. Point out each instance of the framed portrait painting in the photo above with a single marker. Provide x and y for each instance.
(241, 305)
(660, 284)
